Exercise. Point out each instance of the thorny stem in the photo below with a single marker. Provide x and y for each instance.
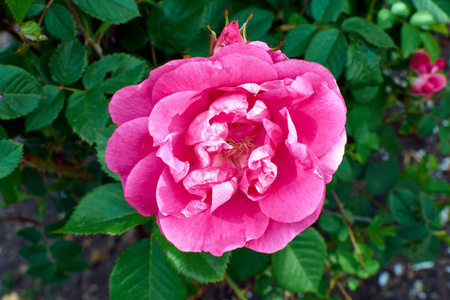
(343, 291)
(21, 219)
(44, 11)
(235, 288)
(349, 227)
(89, 40)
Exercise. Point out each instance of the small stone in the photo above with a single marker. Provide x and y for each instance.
(423, 265)
(398, 269)
(383, 279)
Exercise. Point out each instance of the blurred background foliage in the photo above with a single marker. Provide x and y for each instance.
(61, 61)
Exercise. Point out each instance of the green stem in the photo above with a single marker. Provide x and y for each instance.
(235, 288)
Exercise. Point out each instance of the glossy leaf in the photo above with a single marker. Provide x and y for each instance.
(114, 72)
(19, 8)
(325, 11)
(382, 175)
(10, 156)
(113, 11)
(34, 254)
(173, 24)
(369, 31)
(258, 25)
(401, 203)
(246, 263)
(59, 22)
(440, 9)
(47, 111)
(104, 210)
(298, 39)
(410, 39)
(431, 45)
(201, 267)
(87, 111)
(143, 272)
(10, 186)
(19, 91)
(31, 234)
(299, 266)
(68, 62)
(328, 48)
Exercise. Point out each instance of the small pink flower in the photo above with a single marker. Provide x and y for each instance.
(428, 81)
(232, 150)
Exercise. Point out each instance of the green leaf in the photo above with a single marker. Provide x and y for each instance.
(410, 41)
(347, 262)
(19, 92)
(440, 9)
(382, 175)
(298, 39)
(114, 72)
(10, 156)
(325, 11)
(31, 234)
(62, 249)
(428, 208)
(68, 62)
(59, 22)
(401, 204)
(201, 267)
(10, 186)
(259, 25)
(45, 270)
(431, 45)
(112, 11)
(369, 31)
(426, 125)
(87, 111)
(143, 272)
(299, 266)
(344, 172)
(328, 48)
(48, 109)
(329, 223)
(173, 24)
(247, 263)
(444, 139)
(34, 254)
(104, 210)
(19, 8)
(33, 181)
(363, 66)
(102, 136)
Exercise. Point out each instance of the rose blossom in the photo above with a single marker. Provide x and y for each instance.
(428, 82)
(232, 150)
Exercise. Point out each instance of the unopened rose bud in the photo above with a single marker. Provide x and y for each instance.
(400, 9)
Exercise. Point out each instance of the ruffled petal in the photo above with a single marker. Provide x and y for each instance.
(125, 150)
(174, 113)
(295, 193)
(428, 83)
(278, 234)
(131, 102)
(421, 62)
(173, 199)
(140, 187)
(330, 161)
(230, 70)
(229, 227)
(171, 152)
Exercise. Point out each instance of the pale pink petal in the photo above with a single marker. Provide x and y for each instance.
(227, 71)
(201, 129)
(258, 112)
(230, 107)
(330, 161)
(140, 187)
(428, 84)
(245, 49)
(229, 227)
(125, 150)
(295, 193)
(173, 199)
(278, 234)
(200, 181)
(222, 192)
(131, 102)
(174, 113)
(171, 152)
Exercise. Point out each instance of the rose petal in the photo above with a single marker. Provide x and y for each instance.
(229, 227)
(295, 193)
(174, 114)
(125, 150)
(131, 102)
(140, 188)
(330, 161)
(278, 234)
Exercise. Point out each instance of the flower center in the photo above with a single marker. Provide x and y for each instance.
(243, 147)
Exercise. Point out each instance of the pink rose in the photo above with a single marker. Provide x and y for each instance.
(229, 151)
(428, 81)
